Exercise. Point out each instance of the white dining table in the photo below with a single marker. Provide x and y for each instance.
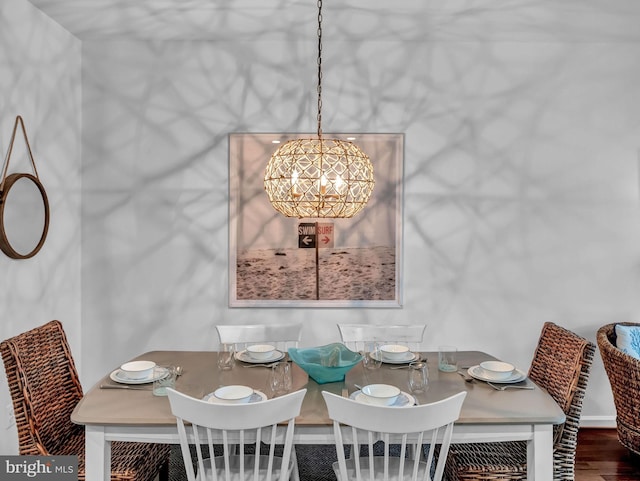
(487, 414)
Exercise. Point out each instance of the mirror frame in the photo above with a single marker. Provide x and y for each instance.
(5, 245)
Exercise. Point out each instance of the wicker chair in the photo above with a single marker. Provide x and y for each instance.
(561, 365)
(623, 371)
(45, 389)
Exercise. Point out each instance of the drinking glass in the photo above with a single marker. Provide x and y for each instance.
(280, 379)
(448, 358)
(160, 385)
(226, 356)
(371, 356)
(418, 377)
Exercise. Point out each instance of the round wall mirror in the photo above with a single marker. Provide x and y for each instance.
(24, 216)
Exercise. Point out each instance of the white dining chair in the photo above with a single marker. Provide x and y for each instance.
(416, 429)
(355, 336)
(282, 336)
(237, 427)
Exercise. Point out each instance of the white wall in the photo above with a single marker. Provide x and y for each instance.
(521, 179)
(40, 80)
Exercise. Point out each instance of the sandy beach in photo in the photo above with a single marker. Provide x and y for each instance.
(367, 273)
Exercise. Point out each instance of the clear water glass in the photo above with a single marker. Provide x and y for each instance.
(280, 378)
(418, 377)
(371, 355)
(161, 384)
(226, 356)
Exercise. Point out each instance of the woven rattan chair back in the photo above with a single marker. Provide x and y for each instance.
(358, 425)
(623, 372)
(561, 365)
(45, 388)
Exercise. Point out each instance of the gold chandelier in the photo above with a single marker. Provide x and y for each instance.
(324, 178)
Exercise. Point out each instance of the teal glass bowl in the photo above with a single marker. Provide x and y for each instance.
(325, 364)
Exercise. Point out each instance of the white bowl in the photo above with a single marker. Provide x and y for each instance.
(394, 352)
(497, 370)
(234, 394)
(380, 394)
(137, 369)
(261, 351)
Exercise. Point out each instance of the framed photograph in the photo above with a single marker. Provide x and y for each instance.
(279, 261)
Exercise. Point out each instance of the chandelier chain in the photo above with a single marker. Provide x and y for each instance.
(320, 69)
(318, 178)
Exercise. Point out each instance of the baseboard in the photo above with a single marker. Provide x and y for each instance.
(598, 422)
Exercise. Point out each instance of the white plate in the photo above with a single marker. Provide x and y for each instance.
(244, 356)
(257, 396)
(476, 372)
(404, 400)
(408, 357)
(158, 373)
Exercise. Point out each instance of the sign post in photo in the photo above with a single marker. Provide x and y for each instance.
(316, 235)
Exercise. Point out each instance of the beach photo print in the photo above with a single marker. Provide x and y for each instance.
(280, 261)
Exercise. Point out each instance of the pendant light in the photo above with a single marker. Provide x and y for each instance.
(318, 177)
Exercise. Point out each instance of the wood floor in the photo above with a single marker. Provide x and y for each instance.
(600, 457)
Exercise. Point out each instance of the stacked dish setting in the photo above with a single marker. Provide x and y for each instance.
(497, 370)
(394, 352)
(136, 370)
(235, 394)
(380, 394)
(261, 352)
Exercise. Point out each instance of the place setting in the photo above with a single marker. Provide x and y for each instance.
(235, 394)
(259, 355)
(394, 354)
(499, 375)
(143, 375)
(382, 395)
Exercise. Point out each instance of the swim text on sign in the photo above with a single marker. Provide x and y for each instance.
(309, 238)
